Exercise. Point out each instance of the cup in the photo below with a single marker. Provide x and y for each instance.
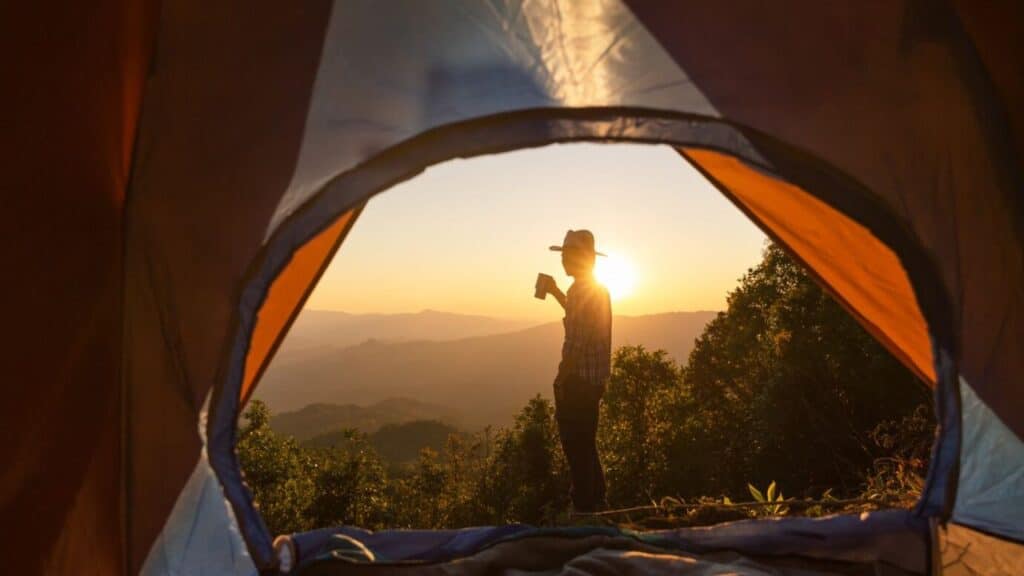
(540, 289)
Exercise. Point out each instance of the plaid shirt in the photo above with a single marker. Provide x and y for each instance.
(587, 350)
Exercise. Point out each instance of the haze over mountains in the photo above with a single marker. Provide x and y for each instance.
(316, 328)
(480, 370)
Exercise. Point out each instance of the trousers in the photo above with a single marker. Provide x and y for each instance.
(577, 404)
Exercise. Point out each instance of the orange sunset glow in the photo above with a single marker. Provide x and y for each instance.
(470, 236)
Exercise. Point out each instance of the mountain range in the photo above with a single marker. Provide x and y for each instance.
(318, 419)
(315, 330)
(441, 359)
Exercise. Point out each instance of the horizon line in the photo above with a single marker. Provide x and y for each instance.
(493, 317)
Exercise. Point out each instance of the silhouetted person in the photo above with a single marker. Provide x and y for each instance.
(585, 366)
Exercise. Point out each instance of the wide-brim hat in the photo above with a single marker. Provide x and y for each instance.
(582, 240)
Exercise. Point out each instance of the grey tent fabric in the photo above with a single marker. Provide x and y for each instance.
(990, 491)
(449, 62)
(201, 535)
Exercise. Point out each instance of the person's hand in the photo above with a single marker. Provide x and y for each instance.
(547, 285)
(550, 286)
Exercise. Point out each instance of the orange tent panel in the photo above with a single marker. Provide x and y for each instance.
(855, 266)
(287, 295)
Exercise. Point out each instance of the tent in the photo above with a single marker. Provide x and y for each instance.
(179, 173)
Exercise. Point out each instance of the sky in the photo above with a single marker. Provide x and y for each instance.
(470, 236)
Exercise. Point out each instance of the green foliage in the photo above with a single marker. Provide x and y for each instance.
(280, 474)
(527, 479)
(299, 489)
(899, 477)
(769, 496)
(349, 485)
(638, 413)
(788, 386)
(398, 444)
(515, 475)
(783, 386)
(428, 488)
(402, 442)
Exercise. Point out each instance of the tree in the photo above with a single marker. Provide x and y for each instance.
(636, 422)
(791, 386)
(349, 485)
(420, 499)
(279, 473)
(526, 479)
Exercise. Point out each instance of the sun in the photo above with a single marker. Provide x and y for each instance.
(616, 273)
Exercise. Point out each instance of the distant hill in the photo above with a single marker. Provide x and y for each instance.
(484, 380)
(320, 418)
(328, 328)
(396, 443)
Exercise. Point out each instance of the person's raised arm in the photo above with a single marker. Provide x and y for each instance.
(551, 287)
(558, 294)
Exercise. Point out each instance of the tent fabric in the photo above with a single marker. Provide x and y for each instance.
(74, 76)
(966, 552)
(453, 62)
(242, 131)
(367, 129)
(271, 302)
(895, 539)
(990, 490)
(507, 131)
(411, 545)
(996, 30)
(895, 94)
(861, 272)
(595, 555)
(200, 535)
(220, 131)
(288, 293)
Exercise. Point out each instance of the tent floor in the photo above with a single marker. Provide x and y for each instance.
(888, 542)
